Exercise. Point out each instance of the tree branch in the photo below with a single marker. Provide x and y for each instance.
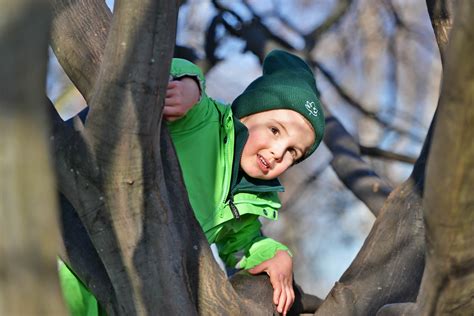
(78, 37)
(351, 169)
(389, 266)
(351, 101)
(385, 154)
(340, 10)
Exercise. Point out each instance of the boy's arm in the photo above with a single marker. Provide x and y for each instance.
(242, 245)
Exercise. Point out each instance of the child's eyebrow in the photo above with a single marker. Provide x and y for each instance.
(280, 125)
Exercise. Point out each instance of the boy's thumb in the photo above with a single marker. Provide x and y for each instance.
(258, 269)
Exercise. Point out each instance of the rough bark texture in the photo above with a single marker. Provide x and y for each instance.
(447, 287)
(448, 282)
(29, 237)
(78, 38)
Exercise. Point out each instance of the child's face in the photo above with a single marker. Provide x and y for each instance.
(277, 139)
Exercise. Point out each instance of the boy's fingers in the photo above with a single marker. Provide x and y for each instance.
(276, 293)
(289, 300)
(281, 301)
(170, 89)
(258, 268)
(173, 84)
(173, 111)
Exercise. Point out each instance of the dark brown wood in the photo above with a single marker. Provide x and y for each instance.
(448, 282)
(78, 38)
(389, 266)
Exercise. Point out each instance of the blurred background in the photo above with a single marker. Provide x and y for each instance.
(378, 69)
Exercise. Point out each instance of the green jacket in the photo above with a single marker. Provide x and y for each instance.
(205, 140)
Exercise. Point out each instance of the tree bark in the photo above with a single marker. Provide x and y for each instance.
(389, 266)
(78, 38)
(29, 238)
(351, 169)
(448, 283)
(441, 15)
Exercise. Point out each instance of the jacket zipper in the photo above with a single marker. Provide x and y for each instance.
(233, 208)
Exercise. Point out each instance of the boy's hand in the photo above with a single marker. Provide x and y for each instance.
(181, 96)
(280, 270)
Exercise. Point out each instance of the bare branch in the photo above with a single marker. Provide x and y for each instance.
(351, 169)
(389, 266)
(351, 101)
(340, 10)
(385, 154)
(79, 34)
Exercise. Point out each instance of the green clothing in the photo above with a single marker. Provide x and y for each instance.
(79, 300)
(205, 139)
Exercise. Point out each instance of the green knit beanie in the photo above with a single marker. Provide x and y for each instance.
(287, 83)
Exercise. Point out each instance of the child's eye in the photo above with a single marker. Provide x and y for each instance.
(274, 130)
(293, 153)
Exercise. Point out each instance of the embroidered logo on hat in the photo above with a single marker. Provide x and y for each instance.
(312, 108)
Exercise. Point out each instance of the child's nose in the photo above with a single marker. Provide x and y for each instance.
(278, 152)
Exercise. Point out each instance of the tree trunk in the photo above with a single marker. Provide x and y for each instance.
(448, 282)
(29, 236)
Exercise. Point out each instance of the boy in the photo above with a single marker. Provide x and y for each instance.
(231, 158)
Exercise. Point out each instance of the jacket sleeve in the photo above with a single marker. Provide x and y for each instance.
(201, 111)
(241, 244)
(183, 68)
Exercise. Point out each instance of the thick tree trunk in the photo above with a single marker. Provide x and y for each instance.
(448, 282)
(29, 237)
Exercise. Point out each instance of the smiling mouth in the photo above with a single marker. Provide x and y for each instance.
(264, 165)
